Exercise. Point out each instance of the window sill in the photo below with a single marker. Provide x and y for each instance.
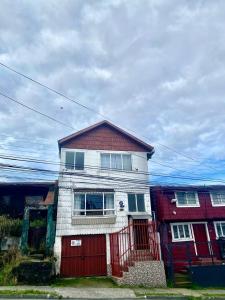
(218, 205)
(193, 205)
(93, 220)
(182, 240)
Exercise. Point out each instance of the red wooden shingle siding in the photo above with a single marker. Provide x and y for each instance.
(104, 138)
(89, 259)
(166, 209)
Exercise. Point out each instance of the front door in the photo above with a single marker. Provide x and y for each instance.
(141, 240)
(201, 240)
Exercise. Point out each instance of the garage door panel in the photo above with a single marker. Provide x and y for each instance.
(88, 259)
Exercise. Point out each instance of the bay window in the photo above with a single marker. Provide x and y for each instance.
(93, 204)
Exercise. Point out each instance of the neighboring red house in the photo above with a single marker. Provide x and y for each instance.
(191, 222)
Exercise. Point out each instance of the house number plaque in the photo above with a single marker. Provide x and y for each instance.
(75, 243)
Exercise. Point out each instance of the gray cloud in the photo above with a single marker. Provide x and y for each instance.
(156, 67)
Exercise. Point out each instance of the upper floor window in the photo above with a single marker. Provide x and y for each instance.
(116, 161)
(218, 198)
(93, 204)
(187, 199)
(136, 203)
(74, 160)
(220, 229)
(181, 232)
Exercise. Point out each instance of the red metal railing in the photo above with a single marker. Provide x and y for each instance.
(136, 242)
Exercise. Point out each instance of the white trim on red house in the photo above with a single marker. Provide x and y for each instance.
(188, 205)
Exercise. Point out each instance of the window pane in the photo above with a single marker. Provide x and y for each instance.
(127, 162)
(105, 161)
(223, 228)
(181, 198)
(181, 231)
(116, 162)
(79, 203)
(109, 203)
(79, 161)
(140, 202)
(186, 230)
(69, 160)
(175, 232)
(191, 198)
(94, 201)
(132, 202)
(219, 232)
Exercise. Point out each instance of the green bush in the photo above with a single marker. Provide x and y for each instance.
(10, 227)
(34, 272)
(38, 223)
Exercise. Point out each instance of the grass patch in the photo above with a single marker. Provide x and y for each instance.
(95, 282)
(28, 293)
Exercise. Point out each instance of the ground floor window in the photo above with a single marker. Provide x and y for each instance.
(181, 232)
(220, 229)
(93, 203)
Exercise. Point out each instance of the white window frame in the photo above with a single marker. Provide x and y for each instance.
(110, 160)
(188, 205)
(74, 160)
(212, 201)
(191, 232)
(85, 210)
(215, 228)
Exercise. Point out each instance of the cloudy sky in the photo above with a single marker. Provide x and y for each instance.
(155, 67)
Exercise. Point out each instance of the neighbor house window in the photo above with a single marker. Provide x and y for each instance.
(218, 198)
(181, 232)
(136, 203)
(187, 199)
(93, 204)
(116, 161)
(220, 229)
(74, 160)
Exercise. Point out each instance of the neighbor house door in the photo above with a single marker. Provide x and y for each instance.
(201, 240)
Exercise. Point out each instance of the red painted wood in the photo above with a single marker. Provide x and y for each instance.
(201, 240)
(104, 138)
(89, 259)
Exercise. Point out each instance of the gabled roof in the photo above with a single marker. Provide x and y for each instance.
(68, 138)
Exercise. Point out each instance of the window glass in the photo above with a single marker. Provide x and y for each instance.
(186, 198)
(105, 160)
(94, 201)
(175, 232)
(116, 162)
(181, 198)
(140, 202)
(79, 204)
(181, 232)
(70, 160)
(108, 203)
(218, 198)
(79, 161)
(127, 162)
(132, 202)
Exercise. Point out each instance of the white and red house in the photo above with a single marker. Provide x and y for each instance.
(103, 189)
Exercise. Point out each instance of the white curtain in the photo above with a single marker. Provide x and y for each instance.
(79, 203)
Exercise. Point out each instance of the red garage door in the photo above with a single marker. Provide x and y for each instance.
(83, 255)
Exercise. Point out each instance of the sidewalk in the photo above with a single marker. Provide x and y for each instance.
(118, 293)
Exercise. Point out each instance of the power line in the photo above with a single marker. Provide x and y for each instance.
(89, 108)
(36, 111)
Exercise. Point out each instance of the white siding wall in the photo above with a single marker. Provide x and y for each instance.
(67, 184)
